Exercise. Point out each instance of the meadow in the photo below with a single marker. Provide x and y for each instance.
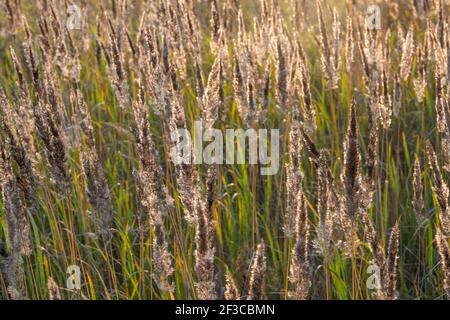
(93, 95)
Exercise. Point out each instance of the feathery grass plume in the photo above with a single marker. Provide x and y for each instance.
(212, 179)
(372, 148)
(384, 101)
(30, 57)
(66, 50)
(159, 75)
(383, 64)
(298, 14)
(52, 38)
(18, 229)
(262, 38)
(440, 188)
(12, 268)
(281, 86)
(445, 144)
(448, 65)
(23, 116)
(387, 265)
(294, 82)
(257, 286)
(407, 54)
(385, 51)
(116, 70)
(251, 103)
(191, 23)
(442, 25)
(442, 104)
(428, 41)
(153, 196)
(162, 259)
(241, 33)
(188, 182)
(324, 43)
(417, 202)
(199, 86)
(14, 9)
(305, 91)
(292, 86)
(204, 240)
(349, 43)
(378, 255)
(300, 272)
(329, 53)
(204, 258)
(53, 290)
(293, 178)
(187, 176)
(316, 155)
(336, 31)
(375, 59)
(215, 24)
(15, 212)
(399, 39)
(136, 47)
(51, 93)
(444, 253)
(323, 244)
(47, 118)
(352, 177)
(167, 67)
(251, 82)
(367, 46)
(19, 151)
(231, 290)
(294, 64)
(204, 253)
(213, 98)
(392, 263)
(156, 196)
(240, 92)
(397, 96)
(49, 115)
(264, 94)
(358, 190)
(420, 81)
(148, 155)
(177, 32)
(98, 192)
(366, 59)
(20, 76)
(198, 210)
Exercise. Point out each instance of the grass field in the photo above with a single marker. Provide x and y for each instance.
(94, 207)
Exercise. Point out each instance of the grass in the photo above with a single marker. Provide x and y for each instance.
(247, 206)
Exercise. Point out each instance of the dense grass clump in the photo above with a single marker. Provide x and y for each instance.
(92, 97)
